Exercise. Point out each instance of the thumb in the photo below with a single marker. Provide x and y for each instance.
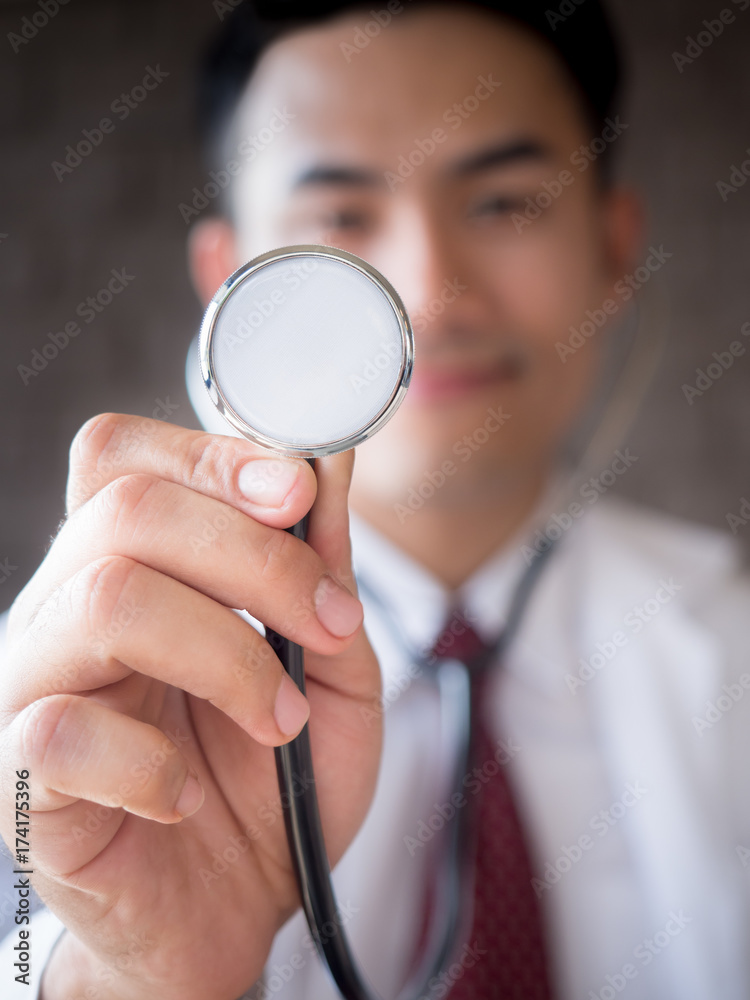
(328, 530)
(355, 672)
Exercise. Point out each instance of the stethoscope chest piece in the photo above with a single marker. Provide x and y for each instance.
(306, 350)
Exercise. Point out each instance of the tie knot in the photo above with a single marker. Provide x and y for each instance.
(458, 640)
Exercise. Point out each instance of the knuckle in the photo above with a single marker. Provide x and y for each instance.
(43, 728)
(101, 450)
(99, 591)
(206, 465)
(93, 457)
(276, 557)
(253, 660)
(95, 435)
(91, 443)
(126, 499)
(158, 773)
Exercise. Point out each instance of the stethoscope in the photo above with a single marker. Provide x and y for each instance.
(308, 351)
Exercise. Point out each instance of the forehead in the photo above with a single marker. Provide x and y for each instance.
(360, 92)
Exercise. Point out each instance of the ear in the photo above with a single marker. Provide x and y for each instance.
(623, 230)
(212, 255)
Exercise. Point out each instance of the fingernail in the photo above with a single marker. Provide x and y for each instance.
(267, 481)
(191, 797)
(337, 610)
(291, 710)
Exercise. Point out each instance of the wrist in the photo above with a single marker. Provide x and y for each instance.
(73, 972)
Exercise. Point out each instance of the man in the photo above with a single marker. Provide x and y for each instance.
(619, 706)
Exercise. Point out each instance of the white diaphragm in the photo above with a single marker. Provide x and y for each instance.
(307, 350)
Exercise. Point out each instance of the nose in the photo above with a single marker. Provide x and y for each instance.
(424, 263)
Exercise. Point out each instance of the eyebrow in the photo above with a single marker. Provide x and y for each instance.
(323, 175)
(498, 155)
(501, 155)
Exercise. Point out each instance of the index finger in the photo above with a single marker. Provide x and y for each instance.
(274, 490)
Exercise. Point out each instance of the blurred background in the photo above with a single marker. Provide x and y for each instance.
(60, 239)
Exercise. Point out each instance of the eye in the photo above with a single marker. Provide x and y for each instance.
(495, 205)
(345, 218)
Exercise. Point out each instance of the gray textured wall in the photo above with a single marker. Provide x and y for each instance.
(60, 240)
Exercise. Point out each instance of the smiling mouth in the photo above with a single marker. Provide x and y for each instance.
(435, 383)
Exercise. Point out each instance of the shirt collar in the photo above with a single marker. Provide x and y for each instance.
(418, 603)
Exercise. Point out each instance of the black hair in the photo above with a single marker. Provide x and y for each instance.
(579, 31)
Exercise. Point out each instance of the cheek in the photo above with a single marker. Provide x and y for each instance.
(547, 278)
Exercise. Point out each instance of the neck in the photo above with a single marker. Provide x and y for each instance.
(452, 540)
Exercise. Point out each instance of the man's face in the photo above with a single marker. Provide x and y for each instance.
(489, 297)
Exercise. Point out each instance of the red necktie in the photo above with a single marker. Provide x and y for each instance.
(504, 955)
